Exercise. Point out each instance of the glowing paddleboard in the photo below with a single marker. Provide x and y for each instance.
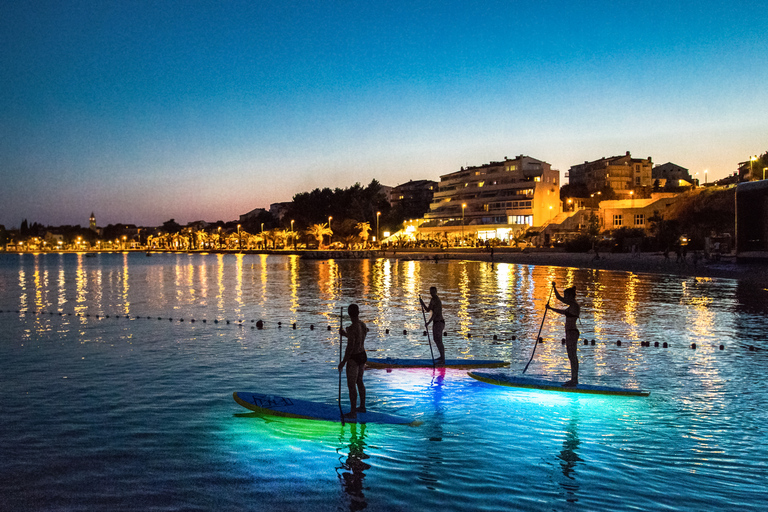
(293, 408)
(504, 379)
(464, 364)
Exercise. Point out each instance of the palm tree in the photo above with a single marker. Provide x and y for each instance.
(319, 231)
(364, 228)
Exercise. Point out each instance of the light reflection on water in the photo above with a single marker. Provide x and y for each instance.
(137, 412)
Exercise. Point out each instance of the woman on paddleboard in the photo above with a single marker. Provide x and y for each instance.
(355, 358)
(437, 321)
(571, 314)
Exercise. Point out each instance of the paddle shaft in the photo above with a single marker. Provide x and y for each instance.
(424, 314)
(341, 342)
(539, 334)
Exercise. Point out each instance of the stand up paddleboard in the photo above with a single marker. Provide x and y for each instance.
(503, 379)
(463, 364)
(303, 409)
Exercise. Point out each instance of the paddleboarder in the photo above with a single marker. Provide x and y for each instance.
(571, 314)
(437, 321)
(355, 358)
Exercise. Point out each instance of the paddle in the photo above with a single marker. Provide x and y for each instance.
(540, 327)
(341, 342)
(424, 314)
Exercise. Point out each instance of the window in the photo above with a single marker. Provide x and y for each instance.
(617, 220)
(637, 180)
(639, 219)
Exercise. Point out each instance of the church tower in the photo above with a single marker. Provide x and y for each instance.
(93, 222)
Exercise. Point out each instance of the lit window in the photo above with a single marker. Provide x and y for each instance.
(617, 220)
(639, 219)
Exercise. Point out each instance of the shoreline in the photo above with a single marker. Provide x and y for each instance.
(638, 263)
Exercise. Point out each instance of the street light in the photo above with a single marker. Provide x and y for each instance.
(330, 236)
(751, 159)
(239, 239)
(378, 214)
(705, 175)
(293, 235)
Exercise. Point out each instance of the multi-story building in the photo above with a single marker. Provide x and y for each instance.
(494, 200)
(621, 173)
(672, 175)
(413, 195)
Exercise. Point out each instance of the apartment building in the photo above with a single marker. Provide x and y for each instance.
(621, 173)
(494, 200)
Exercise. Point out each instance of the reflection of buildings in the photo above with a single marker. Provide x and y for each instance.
(493, 200)
(621, 173)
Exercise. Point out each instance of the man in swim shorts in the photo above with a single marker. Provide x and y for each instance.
(437, 321)
(355, 358)
(571, 314)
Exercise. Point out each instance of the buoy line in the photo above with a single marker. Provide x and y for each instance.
(260, 325)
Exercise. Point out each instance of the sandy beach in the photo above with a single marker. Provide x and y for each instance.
(646, 262)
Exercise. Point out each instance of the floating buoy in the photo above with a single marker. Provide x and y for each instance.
(311, 327)
(216, 321)
(514, 338)
(541, 340)
(593, 342)
(562, 339)
(170, 319)
(722, 347)
(204, 320)
(405, 332)
(181, 319)
(193, 320)
(752, 348)
(279, 325)
(665, 345)
(294, 326)
(469, 335)
(260, 325)
(618, 343)
(657, 344)
(693, 346)
(386, 331)
(329, 327)
(586, 342)
(425, 333)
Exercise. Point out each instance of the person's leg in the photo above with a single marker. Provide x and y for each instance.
(437, 332)
(570, 346)
(361, 389)
(352, 371)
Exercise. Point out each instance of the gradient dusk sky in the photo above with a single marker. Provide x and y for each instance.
(144, 111)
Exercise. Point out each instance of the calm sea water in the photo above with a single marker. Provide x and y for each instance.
(112, 397)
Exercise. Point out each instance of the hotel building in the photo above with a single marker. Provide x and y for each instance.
(495, 200)
(621, 173)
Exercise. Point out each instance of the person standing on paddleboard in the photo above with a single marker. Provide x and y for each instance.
(571, 314)
(355, 358)
(437, 321)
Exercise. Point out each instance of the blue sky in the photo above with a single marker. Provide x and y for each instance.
(145, 111)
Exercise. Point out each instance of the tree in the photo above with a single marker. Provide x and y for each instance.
(364, 228)
(318, 231)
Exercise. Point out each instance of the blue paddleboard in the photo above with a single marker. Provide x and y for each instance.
(427, 363)
(293, 408)
(504, 379)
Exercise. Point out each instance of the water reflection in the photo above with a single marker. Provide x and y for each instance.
(351, 473)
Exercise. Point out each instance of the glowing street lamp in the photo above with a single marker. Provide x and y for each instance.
(293, 235)
(330, 237)
(705, 175)
(239, 239)
(463, 206)
(751, 159)
(378, 214)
